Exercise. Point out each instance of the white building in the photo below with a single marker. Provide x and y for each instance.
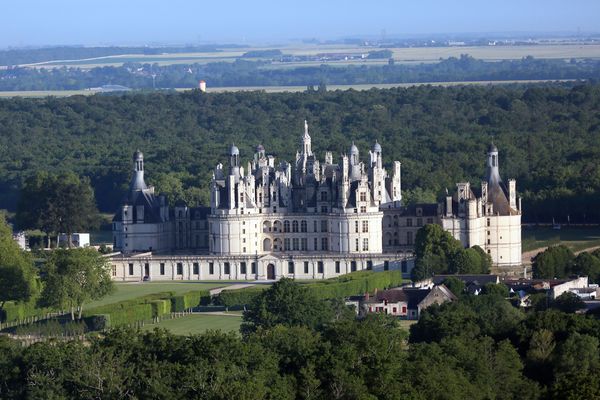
(308, 220)
(490, 218)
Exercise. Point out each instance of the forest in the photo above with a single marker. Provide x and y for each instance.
(294, 346)
(247, 72)
(547, 136)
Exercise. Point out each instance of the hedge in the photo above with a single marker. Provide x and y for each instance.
(124, 312)
(16, 311)
(347, 285)
(229, 298)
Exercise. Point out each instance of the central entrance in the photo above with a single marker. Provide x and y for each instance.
(271, 272)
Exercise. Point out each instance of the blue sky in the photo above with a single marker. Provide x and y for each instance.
(50, 22)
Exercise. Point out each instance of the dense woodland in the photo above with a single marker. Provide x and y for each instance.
(547, 136)
(244, 72)
(294, 346)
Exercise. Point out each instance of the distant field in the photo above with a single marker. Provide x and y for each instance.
(401, 55)
(575, 238)
(198, 323)
(277, 89)
(128, 291)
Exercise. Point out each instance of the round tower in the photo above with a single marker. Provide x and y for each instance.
(137, 181)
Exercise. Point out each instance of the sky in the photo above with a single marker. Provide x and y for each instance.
(101, 22)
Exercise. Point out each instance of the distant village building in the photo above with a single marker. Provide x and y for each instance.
(403, 302)
(202, 86)
(308, 219)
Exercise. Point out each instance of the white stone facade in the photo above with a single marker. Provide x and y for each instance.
(490, 219)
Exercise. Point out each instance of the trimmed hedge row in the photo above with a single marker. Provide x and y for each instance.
(348, 285)
(230, 298)
(355, 283)
(16, 311)
(148, 307)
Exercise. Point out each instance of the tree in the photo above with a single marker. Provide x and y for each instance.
(434, 248)
(286, 303)
(57, 204)
(568, 302)
(74, 276)
(586, 264)
(18, 278)
(455, 285)
(554, 262)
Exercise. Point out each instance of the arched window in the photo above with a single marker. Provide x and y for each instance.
(286, 226)
(295, 226)
(303, 226)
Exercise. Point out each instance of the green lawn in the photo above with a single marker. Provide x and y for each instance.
(198, 323)
(575, 238)
(128, 291)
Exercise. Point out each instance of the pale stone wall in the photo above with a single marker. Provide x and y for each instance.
(205, 267)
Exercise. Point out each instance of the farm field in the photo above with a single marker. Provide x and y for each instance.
(276, 89)
(128, 291)
(198, 323)
(576, 239)
(401, 55)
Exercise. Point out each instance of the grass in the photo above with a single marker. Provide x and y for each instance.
(198, 323)
(406, 323)
(401, 55)
(128, 291)
(575, 238)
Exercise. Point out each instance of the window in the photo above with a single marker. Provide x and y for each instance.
(352, 266)
(303, 226)
(316, 244)
(363, 209)
(430, 220)
(386, 265)
(356, 226)
(306, 267)
(394, 310)
(323, 196)
(363, 196)
(314, 226)
(114, 270)
(356, 247)
(409, 238)
(488, 222)
(295, 226)
(211, 268)
(130, 269)
(196, 267)
(324, 209)
(253, 268)
(488, 233)
(226, 269)
(242, 267)
(304, 244)
(337, 267)
(408, 221)
(286, 226)
(365, 226)
(419, 221)
(365, 244)
(324, 244)
(369, 265)
(162, 268)
(286, 244)
(320, 267)
(323, 226)
(290, 267)
(179, 268)
(296, 244)
(489, 241)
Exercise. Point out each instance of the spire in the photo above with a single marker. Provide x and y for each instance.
(137, 180)
(493, 170)
(306, 141)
